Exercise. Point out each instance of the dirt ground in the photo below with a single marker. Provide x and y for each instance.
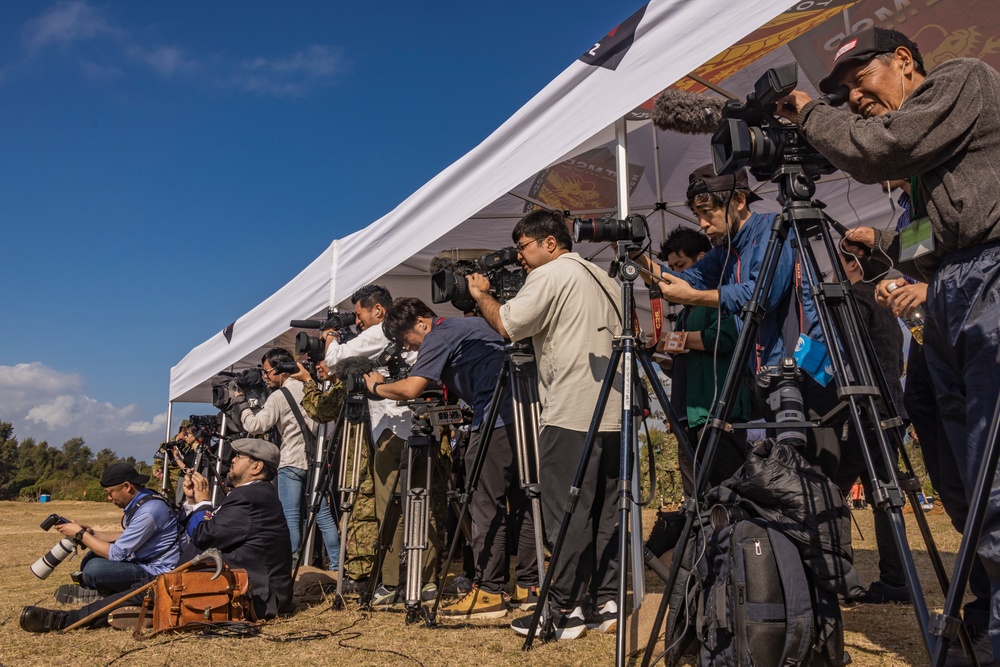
(318, 635)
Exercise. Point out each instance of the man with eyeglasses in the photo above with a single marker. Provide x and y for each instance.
(283, 410)
(247, 528)
(571, 311)
(148, 544)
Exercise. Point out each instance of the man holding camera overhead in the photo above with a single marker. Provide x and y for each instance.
(570, 309)
(283, 409)
(149, 544)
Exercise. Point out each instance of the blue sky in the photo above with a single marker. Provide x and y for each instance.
(164, 167)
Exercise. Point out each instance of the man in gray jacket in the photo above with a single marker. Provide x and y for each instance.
(940, 131)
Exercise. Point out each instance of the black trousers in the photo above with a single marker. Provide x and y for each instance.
(589, 558)
(942, 468)
(499, 488)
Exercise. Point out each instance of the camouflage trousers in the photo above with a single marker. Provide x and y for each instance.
(362, 528)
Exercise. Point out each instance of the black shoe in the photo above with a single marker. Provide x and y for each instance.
(38, 619)
(570, 625)
(879, 593)
(76, 594)
(605, 618)
(981, 646)
(353, 586)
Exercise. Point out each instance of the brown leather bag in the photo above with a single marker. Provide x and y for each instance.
(188, 600)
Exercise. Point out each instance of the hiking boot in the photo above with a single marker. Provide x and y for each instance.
(76, 594)
(570, 625)
(605, 618)
(478, 603)
(353, 586)
(524, 599)
(458, 587)
(981, 646)
(126, 618)
(880, 593)
(385, 597)
(38, 619)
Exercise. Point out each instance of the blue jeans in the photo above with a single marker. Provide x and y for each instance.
(291, 486)
(108, 576)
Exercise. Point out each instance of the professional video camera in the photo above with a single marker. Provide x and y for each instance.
(448, 272)
(352, 370)
(751, 136)
(249, 382)
(43, 567)
(339, 321)
(633, 228)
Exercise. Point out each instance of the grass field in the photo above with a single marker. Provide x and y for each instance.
(876, 635)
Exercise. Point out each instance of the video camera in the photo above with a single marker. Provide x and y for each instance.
(751, 136)
(313, 346)
(203, 426)
(352, 370)
(501, 268)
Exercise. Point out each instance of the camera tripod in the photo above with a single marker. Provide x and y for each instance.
(414, 504)
(209, 464)
(625, 357)
(859, 383)
(519, 373)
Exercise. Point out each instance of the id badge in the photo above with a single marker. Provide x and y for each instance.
(813, 358)
(916, 239)
(675, 342)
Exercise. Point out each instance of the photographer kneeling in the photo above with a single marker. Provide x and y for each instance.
(148, 545)
(466, 356)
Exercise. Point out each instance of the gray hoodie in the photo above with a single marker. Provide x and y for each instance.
(947, 133)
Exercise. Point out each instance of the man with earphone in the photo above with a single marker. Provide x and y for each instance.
(941, 131)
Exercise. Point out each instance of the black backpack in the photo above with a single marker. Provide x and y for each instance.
(757, 610)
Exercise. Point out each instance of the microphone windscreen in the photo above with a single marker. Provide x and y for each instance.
(443, 264)
(353, 366)
(687, 113)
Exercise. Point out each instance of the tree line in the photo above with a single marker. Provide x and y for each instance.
(29, 469)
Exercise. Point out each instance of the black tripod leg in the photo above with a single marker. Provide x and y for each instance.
(472, 482)
(752, 314)
(948, 622)
(574, 494)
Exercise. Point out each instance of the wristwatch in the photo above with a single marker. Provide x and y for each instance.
(79, 535)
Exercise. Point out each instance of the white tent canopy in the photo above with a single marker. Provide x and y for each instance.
(475, 202)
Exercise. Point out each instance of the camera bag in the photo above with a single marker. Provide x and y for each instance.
(190, 600)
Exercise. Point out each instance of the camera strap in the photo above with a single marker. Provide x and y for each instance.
(153, 495)
(307, 433)
(599, 284)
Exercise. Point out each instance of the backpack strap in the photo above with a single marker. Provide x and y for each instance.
(307, 433)
(798, 602)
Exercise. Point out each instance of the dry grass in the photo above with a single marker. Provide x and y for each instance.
(876, 635)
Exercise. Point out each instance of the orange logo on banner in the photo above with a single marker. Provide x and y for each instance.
(776, 32)
(583, 183)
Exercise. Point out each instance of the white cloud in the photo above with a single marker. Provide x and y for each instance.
(47, 404)
(157, 425)
(64, 24)
(69, 24)
(292, 75)
(164, 60)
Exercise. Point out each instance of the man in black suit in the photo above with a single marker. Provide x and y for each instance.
(248, 528)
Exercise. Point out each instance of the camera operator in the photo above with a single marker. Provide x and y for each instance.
(940, 130)
(699, 368)
(391, 426)
(148, 545)
(180, 451)
(571, 311)
(282, 409)
(246, 527)
(466, 356)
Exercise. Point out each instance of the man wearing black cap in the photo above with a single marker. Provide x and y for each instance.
(248, 528)
(148, 545)
(940, 131)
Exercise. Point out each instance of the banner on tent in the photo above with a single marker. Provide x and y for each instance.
(941, 32)
(586, 182)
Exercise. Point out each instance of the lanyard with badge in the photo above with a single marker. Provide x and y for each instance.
(916, 239)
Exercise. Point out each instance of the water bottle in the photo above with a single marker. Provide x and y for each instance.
(915, 322)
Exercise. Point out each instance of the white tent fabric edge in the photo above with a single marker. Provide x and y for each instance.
(673, 38)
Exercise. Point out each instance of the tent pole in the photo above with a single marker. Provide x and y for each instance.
(170, 414)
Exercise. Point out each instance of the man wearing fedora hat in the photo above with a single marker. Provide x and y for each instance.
(148, 544)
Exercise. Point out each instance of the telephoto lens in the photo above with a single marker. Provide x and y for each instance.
(43, 567)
